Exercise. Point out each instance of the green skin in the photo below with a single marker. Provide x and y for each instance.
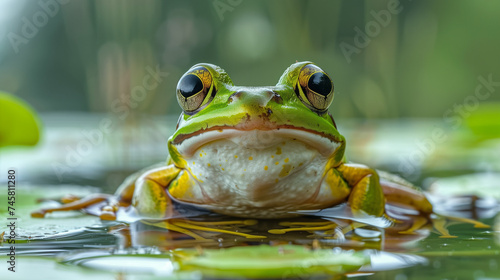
(292, 111)
(219, 161)
(364, 193)
(247, 110)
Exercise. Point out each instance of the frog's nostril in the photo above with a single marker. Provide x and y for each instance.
(235, 96)
(277, 98)
(269, 95)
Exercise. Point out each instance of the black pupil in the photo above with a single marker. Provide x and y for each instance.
(190, 85)
(320, 83)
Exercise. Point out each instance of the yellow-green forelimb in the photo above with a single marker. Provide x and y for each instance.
(149, 196)
(366, 195)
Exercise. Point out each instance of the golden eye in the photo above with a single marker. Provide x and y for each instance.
(195, 89)
(314, 88)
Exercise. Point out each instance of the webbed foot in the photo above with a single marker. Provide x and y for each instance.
(411, 224)
(441, 222)
(105, 212)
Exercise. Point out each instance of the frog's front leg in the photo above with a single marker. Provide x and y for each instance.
(366, 195)
(150, 196)
(359, 186)
(372, 190)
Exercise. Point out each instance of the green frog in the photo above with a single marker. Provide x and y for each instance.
(257, 152)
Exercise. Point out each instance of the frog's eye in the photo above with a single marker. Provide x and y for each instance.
(195, 89)
(314, 88)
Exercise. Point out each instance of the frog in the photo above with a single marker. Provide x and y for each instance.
(265, 152)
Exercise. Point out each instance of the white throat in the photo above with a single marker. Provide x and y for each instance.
(242, 172)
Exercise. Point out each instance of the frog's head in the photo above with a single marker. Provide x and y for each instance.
(278, 123)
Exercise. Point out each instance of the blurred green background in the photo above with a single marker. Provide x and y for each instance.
(85, 54)
(416, 88)
(400, 69)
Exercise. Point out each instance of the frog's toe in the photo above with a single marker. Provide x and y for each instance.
(69, 198)
(38, 213)
(441, 223)
(75, 205)
(477, 224)
(108, 213)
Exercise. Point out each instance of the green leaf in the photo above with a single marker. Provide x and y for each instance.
(19, 123)
(270, 261)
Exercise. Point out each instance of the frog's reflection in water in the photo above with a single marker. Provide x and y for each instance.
(333, 229)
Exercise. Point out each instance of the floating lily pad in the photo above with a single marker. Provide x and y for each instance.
(263, 261)
(270, 261)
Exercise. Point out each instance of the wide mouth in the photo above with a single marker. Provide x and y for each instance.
(188, 144)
